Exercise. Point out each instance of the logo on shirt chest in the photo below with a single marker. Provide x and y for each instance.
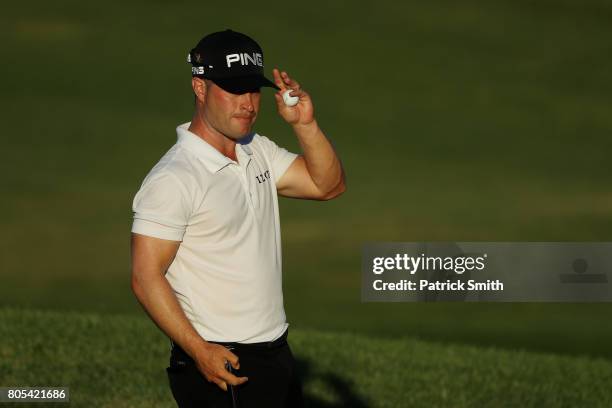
(263, 177)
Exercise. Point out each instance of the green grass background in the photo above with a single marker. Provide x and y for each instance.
(472, 120)
(96, 357)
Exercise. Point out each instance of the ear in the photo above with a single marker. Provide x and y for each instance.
(199, 88)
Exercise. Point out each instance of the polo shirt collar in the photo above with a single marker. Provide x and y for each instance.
(211, 157)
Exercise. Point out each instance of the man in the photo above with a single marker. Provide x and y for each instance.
(206, 248)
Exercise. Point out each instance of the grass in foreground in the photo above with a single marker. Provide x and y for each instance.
(119, 361)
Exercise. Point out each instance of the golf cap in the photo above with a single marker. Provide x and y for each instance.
(232, 60)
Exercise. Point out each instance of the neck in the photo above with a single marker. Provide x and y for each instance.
(219, 141)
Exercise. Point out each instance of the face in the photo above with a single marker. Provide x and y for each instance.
(230, 114)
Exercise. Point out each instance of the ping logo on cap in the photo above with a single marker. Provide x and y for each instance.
(244, 59)
(197, 70)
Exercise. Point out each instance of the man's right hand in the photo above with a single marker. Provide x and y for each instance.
(211, 359)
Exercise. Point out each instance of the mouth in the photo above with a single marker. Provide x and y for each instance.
(245, 119)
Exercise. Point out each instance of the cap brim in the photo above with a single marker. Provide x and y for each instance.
(241, 85)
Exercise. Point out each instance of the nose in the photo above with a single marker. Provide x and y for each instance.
(247, 102)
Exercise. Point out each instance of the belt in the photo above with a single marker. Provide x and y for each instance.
(266, 345)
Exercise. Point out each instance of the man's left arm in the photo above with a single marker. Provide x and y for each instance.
(317, 173)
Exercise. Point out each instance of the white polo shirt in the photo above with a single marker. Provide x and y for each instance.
(227, 273)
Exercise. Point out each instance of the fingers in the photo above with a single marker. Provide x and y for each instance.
(226, 375)
(277, 79)
(220, 383)
(297, 92)
(284, 81)
(232, 359)
(289, 82)
(222, 378)
(217, 367)
(230, 378)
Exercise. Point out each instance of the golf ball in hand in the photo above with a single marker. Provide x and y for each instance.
(290, 100)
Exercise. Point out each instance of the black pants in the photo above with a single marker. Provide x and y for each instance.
(273, 380)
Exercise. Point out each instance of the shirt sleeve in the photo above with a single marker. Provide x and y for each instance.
(279, 157)
(161, 208)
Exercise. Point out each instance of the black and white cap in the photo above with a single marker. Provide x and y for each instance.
(232, 60)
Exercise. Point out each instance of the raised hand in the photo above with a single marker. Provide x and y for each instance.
(300, 114)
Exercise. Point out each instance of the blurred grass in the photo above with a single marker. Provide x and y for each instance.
(476, 120)
(119, 360)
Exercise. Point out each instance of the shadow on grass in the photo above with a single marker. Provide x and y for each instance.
(341, 389)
